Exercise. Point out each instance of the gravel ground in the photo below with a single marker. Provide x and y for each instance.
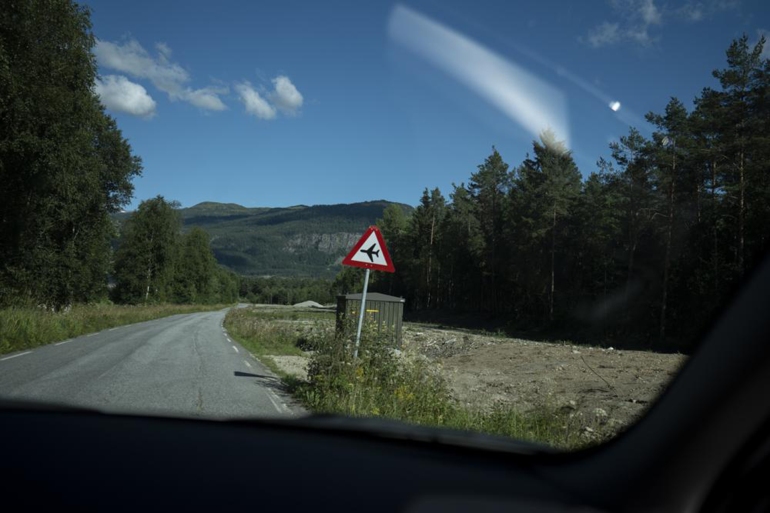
(486, 370)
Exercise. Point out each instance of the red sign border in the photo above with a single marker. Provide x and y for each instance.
(388, 267)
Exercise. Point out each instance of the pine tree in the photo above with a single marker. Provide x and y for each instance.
(546, 190)
(669, 155)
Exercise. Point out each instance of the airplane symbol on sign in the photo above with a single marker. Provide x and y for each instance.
(369, 252)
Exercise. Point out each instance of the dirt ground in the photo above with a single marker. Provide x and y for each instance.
(482, 371)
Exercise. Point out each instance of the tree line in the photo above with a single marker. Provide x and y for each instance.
(645, 249)
(286, 290)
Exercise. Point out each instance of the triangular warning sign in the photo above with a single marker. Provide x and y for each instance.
(370, 253)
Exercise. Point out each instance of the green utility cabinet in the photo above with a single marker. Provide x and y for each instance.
(386, 312)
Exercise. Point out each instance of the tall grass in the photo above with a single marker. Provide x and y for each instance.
(25, 328)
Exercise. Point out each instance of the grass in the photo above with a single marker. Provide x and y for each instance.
(382, 384)
(263, 334)
(25, 328)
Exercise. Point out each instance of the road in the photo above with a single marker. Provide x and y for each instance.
(184, 365)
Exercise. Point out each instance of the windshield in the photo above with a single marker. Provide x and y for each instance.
(515, 218)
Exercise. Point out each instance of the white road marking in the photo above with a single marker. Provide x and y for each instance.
(62, 342)
(236, 349)
(247, 364)
(92, 334)
(113, 329)
(14, 356)
(270, 396)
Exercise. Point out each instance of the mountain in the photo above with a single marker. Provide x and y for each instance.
(293, 241)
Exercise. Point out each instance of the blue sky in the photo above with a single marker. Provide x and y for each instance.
(286, 102)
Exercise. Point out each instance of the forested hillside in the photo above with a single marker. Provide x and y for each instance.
(307, 241)
(644, 249)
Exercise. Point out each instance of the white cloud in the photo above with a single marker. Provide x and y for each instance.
(635, 19)
(164, 50)
(604, 34)
(692, 12)
(285, 96)
(649, 13)
(118, 93)
(698, 10)
(171, 78)
(255, 104)
(206, 98)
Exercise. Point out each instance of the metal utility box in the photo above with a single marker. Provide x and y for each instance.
(386, 311)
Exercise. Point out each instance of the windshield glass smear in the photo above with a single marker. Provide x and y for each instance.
(511, 219)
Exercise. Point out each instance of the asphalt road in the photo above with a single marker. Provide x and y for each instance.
(184, 365)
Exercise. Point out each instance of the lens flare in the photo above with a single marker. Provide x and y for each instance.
(524, 98)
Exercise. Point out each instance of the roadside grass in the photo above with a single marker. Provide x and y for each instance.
(261, 332)
(383, 383)
(25, 328)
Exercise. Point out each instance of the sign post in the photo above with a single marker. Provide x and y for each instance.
(368, 253)
(361, 314)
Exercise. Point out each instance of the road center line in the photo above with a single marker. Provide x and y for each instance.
(236, 349)
(22, 354)
(244, 361)
(62, 342)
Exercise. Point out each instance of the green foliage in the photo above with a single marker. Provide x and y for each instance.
(350, 280)
(25, 328)
(64, 165)
(145, 258)
(194, 268)
(154, 263)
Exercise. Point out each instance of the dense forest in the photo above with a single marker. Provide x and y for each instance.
(644, 250)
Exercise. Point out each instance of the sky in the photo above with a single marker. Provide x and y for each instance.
(280, 103)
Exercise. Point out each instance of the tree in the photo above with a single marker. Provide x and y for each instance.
(668, 152)
(195, 272)
(744, 88)
(546, 190)
(64, 165)
(424, 241)
(488, 188)
(394, 226)
(144, 261)
(463, 245)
